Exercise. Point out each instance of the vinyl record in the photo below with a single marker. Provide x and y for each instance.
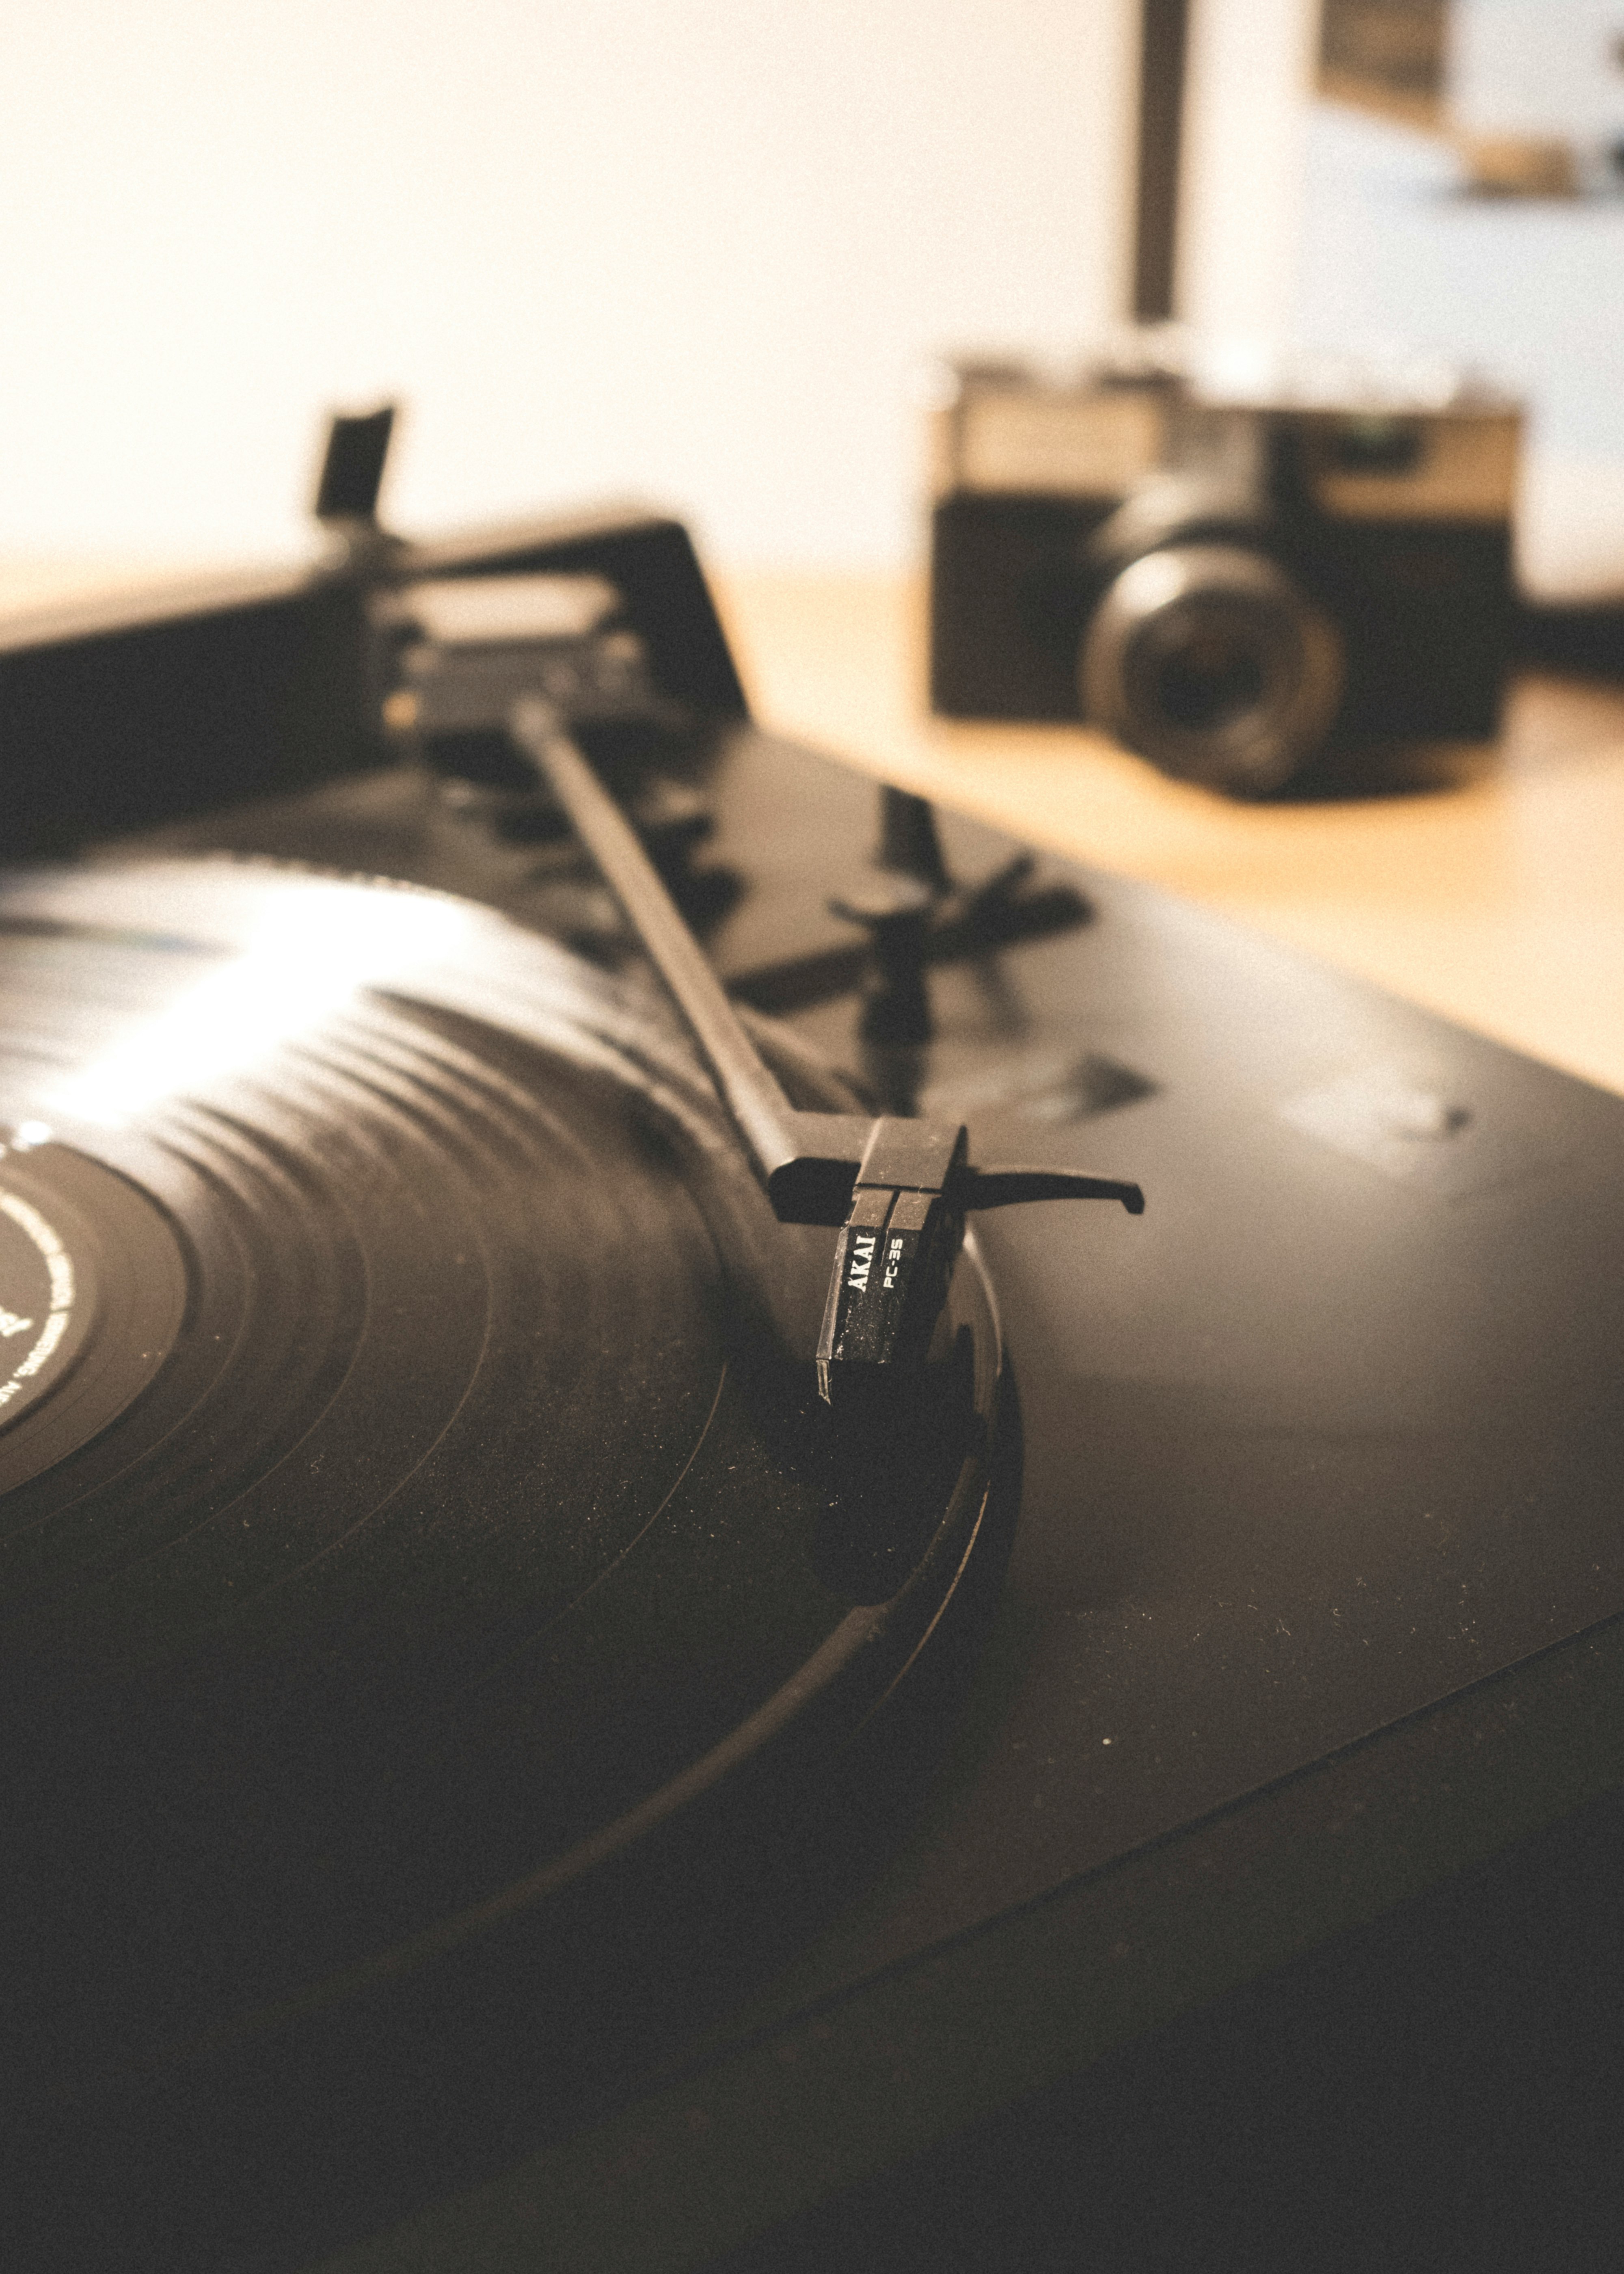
(423, 1509)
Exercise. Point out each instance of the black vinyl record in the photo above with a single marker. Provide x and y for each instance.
(424, 1509)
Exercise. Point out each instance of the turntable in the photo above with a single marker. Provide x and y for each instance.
(544, 1726)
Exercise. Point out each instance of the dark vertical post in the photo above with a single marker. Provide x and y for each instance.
(1164, 34)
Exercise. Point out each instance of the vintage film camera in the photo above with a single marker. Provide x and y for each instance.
(1230, 586)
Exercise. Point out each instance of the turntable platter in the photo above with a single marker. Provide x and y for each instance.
(426, 1501)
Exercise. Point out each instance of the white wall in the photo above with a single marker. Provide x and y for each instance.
(1537, 67)
(1321, 225)
(693, 248)
(1250, 76)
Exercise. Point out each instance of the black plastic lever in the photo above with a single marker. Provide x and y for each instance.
(995, 1188)
(352, 468)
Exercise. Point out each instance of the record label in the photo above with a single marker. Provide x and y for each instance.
(92, 1289)
(43, 1321)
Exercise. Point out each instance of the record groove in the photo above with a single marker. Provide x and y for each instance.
(479, 1495)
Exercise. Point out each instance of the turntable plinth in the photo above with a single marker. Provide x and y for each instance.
(1315, 1595)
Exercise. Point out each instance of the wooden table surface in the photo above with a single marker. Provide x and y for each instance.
(1497, 901)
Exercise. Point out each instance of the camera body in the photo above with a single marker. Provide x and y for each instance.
(1227, 586)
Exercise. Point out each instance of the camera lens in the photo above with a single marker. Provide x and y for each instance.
(1207, 659)
(1215, 678)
